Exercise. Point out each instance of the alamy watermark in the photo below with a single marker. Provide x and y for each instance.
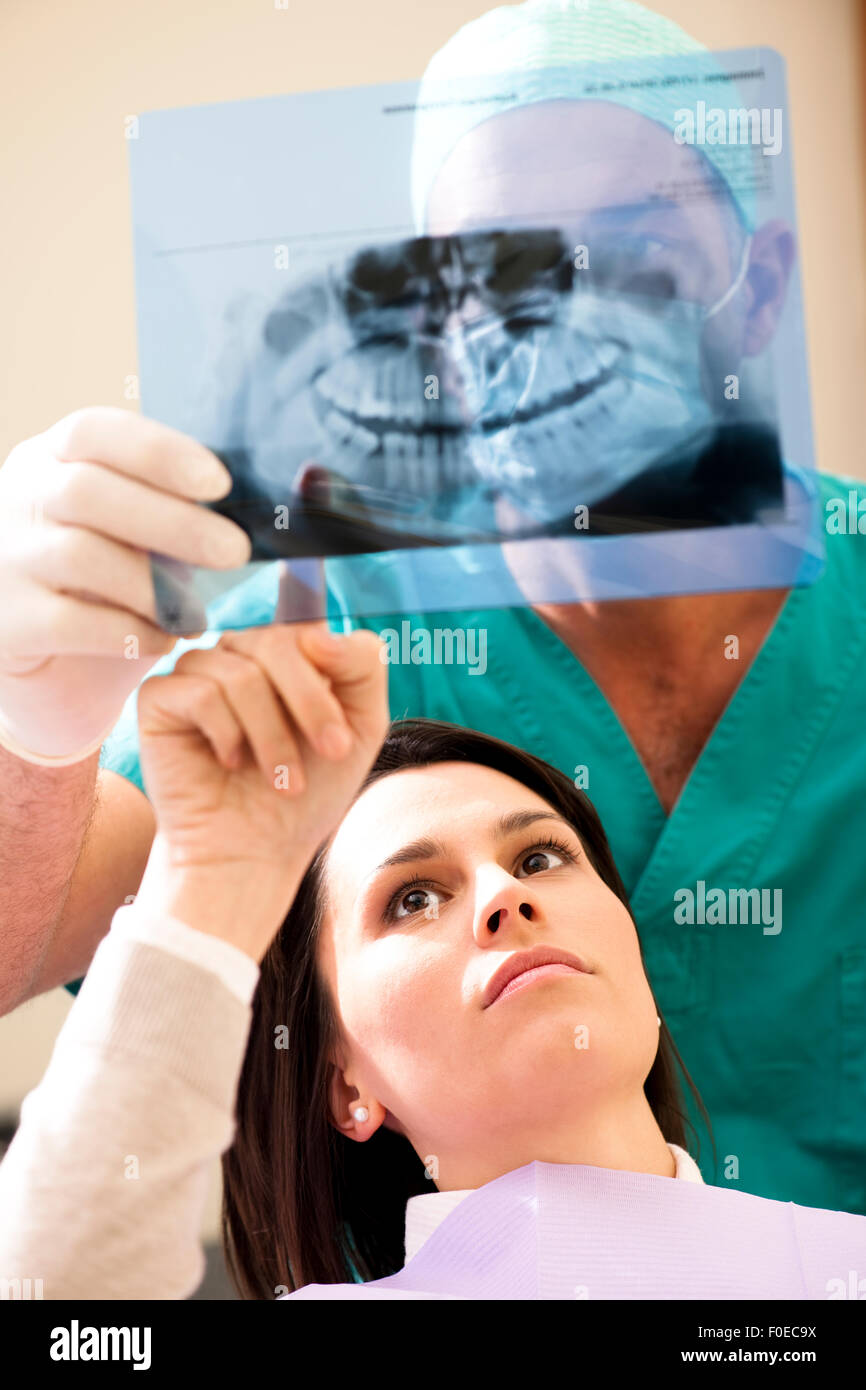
(845, 516)
(21, 1289)
(712, 125)
(734, 906)
(77, 1343)
(438, 646)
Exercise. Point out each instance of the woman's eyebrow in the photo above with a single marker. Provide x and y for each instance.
(424, 848)
(521, 820)
(427, 848)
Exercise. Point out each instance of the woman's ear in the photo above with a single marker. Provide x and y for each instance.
(352, 1113)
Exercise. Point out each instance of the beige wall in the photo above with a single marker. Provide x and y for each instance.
(70, 72)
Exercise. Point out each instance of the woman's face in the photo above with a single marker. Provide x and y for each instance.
(436, 877)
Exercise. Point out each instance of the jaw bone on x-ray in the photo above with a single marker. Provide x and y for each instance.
(402, 397)
(522, 407)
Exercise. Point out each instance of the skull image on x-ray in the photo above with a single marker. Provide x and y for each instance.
(461, 389)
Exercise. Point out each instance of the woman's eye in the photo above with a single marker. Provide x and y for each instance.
(539, 860)
(418, 900)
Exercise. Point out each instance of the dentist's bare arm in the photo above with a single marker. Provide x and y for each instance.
(43, 817)
(73, 846)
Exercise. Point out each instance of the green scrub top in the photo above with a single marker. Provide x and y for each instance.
(771, 1024)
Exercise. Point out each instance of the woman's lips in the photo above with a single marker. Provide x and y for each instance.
(521, 967)
(527, 977)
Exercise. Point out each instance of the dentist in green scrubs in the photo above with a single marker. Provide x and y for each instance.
(712, 772)
(720, 769)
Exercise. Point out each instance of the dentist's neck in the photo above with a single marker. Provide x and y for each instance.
(668, 667)
(679, 631)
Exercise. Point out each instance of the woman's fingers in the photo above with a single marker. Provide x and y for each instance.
(141, 448)
(315, 708)
(352, 664)
(286, 686)
(257, 709)
(182, 701)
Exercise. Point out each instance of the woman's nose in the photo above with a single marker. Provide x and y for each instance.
(501, 903)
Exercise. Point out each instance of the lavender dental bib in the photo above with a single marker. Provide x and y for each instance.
(571, 1231)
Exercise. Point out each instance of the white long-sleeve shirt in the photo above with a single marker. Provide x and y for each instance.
(102, 1190)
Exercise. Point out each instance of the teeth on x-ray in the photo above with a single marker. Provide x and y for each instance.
(564, 402)
(361, 440)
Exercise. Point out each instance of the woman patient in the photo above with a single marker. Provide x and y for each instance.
(463, 969)
(454, 1078)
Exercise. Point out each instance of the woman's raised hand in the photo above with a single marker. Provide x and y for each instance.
(251, 752)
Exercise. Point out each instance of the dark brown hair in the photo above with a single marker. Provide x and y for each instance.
(301, 1202)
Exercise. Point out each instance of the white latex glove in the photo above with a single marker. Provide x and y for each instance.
(80, 507)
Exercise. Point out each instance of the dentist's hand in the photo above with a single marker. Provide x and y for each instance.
(251, 752)
(80, 507)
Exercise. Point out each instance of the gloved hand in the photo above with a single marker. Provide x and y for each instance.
(81, 505)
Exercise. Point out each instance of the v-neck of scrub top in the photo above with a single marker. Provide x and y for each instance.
(662, 831)
(736, 790)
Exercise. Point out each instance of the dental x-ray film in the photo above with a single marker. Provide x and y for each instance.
(485, 341)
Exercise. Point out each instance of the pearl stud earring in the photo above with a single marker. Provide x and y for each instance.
(658, 1020)
(361, 1114)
